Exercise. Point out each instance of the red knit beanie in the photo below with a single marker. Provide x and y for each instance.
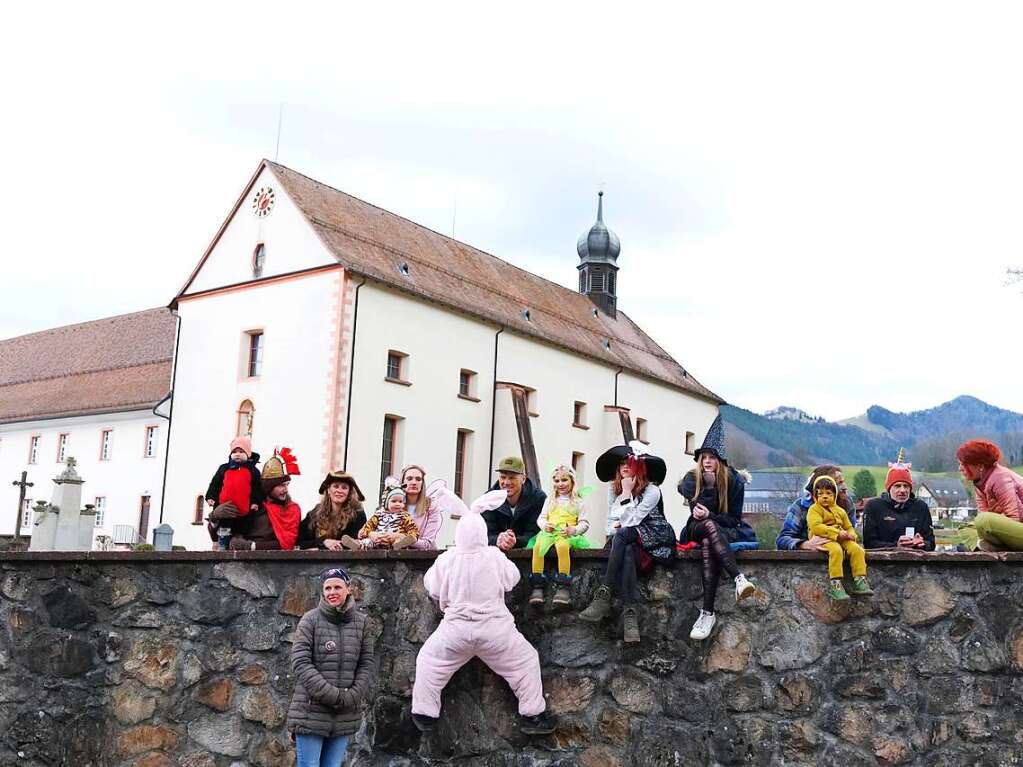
(898, 472)
(979, 451)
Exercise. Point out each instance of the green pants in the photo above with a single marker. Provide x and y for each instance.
(1004, 532)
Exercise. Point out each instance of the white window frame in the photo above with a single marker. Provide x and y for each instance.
(152, 435)
(106, 444)
(101, 509)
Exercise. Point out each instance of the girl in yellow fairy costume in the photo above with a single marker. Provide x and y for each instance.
(563, 525)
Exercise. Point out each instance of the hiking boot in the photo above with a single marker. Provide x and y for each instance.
(352, 543)
(599, 608)
(630, 626)
(539, 583)
(743, 588)
(563, 596)
(540, 724)
(860, 587)
(836, 590)
(423, 722)
(703, 626)
(402, 542)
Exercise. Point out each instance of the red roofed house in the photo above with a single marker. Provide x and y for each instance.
(88, 391)
(363, 340)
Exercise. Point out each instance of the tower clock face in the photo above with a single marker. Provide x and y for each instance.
(263, 202)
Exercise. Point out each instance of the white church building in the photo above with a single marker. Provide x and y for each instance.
(357, 338)
(364, 341)
(95, 392)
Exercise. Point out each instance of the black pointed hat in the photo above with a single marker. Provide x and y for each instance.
(608, 463)
(714, 442)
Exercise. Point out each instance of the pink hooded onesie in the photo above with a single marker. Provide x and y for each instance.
(469, 583)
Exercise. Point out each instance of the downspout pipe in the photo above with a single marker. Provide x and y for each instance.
(351, 374)
(493, 407)
(617, 373)
(169, 417)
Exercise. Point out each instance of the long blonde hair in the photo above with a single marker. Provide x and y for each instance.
(422, 502)
(720, 483)
(573, 494)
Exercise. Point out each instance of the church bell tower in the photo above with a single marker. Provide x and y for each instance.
(598, 251)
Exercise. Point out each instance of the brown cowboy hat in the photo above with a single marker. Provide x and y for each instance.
(341, 476)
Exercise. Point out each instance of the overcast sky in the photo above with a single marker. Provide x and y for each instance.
(817, 203)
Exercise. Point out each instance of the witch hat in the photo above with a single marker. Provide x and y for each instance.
(714, 442)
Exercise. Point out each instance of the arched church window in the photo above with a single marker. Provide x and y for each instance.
(258, 261)
(246, 413)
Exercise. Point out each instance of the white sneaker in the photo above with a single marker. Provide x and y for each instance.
(703, 626)
(743, 588)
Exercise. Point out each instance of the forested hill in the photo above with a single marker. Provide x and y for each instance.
(930, 436)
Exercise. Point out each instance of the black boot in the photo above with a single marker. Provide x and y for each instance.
(539, 583)
(563, 596)
(423, 722)
(540, 724)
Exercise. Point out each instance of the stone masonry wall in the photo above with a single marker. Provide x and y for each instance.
(183, 660)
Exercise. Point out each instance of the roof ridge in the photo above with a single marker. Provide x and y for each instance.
(89, 371)
(77, 325)
(462, 278)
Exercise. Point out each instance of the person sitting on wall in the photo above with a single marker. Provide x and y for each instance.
(999, 490)
(469, 583)
(513, 523)
(234, 491)
(794, 534)
(274, 525)
(898, 519)
(339, 513)
(428, 520)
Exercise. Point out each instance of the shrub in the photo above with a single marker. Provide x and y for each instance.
(767, 529)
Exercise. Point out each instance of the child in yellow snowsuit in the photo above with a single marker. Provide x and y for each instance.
(829, 520)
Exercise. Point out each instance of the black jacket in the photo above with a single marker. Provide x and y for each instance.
(730, 524)
(308, 539)
(522, 522)
(883, 524)
(256, 494)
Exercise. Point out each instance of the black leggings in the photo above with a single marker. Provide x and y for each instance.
(717, 554)
(623, 565)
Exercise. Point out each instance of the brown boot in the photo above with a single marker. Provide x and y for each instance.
(563, 596)
(630, 626)
(539, 583)
(402, 542)
(599, 608)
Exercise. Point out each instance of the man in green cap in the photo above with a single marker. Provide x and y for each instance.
(512, 524)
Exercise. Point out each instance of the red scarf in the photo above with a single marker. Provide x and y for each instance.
(284, 518)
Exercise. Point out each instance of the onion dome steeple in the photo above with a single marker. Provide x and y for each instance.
(598, 251)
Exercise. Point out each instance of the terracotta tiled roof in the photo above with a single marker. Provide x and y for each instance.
(117, 363)
(373, 242)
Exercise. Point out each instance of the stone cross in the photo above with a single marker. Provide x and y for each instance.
(23, 483)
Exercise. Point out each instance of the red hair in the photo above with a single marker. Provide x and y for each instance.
(638, 468)
(979, 451)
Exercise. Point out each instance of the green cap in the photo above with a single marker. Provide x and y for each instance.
(512, 464)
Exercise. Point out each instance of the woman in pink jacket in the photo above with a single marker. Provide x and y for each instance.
(999, 492)
(469, 582)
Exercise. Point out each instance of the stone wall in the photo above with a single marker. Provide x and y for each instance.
(184, 659)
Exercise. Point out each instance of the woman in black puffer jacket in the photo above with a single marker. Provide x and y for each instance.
(332, 657)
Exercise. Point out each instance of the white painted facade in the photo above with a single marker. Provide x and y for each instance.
(310, 397)
(123, 478)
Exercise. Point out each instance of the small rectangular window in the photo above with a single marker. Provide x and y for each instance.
(461, 451)
(106, 446)
(641, 434)
(61, 448)
(578, 467)
(690, 443)
(149, 450)
(397, 367)
(255, 360)
(532, 402)
(579, 414)
(101, 510)
(387, 449)
(33, 449)
(467, 384)
(26, 513)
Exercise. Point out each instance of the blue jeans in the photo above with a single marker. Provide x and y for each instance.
(317, 751)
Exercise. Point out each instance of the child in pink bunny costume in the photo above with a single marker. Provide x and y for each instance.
(469, 582)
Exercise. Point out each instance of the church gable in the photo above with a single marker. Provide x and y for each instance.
(265, 235)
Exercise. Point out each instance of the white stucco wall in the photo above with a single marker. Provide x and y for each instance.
(291, 244)
(292, 396)
(440, 343)
(122, 480)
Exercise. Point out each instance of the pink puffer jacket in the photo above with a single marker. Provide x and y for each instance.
(1001, 492)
